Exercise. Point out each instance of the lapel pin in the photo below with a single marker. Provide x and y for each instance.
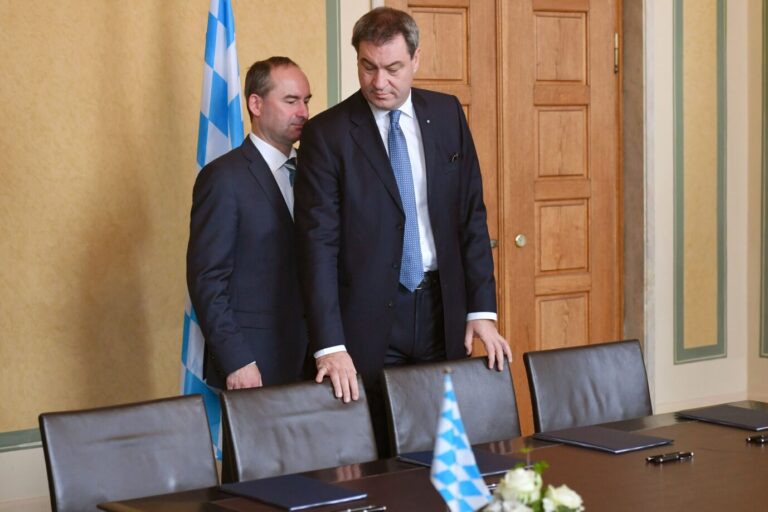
(454, 157)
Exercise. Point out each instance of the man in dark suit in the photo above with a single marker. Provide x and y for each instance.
(394, 253)
(241, 258)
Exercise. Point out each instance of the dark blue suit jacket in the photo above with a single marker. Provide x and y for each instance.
(241, 270)
(349, 221)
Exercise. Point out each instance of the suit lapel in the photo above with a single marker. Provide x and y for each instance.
(260, 170)
(366, 135)
(427, 139)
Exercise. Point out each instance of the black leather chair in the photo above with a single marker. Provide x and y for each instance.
(414, 396)
(127, 451)
(291, 428)
(587, 385)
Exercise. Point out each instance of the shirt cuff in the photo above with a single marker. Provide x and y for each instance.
(330, 350)
(482, 315)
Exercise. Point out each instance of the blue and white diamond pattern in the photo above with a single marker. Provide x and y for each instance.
(454, 470)
(220, 130)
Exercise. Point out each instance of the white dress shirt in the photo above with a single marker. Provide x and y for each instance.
(275, 161)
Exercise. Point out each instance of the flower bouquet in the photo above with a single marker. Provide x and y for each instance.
(520, 490)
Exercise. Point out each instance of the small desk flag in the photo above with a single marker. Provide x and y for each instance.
(220, 130)
(454, 471)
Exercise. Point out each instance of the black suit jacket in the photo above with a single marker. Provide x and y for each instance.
(241, 270)
(349, 221)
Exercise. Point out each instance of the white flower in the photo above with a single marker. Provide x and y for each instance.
(520, 484)
(562, 496)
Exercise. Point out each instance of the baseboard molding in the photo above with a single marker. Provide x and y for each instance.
(20, 440)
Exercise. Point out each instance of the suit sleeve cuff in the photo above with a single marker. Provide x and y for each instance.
(482, 315)
(330, 350)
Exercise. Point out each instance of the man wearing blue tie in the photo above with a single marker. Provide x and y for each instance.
(241, 258)
(394, 253)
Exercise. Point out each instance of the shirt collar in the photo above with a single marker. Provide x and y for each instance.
(273, 156)
(406, 108)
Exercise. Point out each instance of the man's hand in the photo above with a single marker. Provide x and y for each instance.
(496, 346)
(340, 368)
(248, 376)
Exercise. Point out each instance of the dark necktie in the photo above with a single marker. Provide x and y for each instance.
(411, 266)
(290, 164)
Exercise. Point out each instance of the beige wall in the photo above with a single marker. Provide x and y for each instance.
(758, 366)
(705, 382)
(99, 105)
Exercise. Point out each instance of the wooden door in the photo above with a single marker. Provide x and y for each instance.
(538, 84)
(560, 134)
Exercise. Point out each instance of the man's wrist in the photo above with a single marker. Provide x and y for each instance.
(482, 315)
(330, 350)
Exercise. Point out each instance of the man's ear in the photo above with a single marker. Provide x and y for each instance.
(255, 103)
(415, 59)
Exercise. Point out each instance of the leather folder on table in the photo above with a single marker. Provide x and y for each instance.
(293, 492)
(601, 438)
(729, 415)
(488, 463)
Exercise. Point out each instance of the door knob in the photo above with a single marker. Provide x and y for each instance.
(520, 240)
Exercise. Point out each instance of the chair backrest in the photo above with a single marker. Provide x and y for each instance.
(586, 385)
(127, 451)
(291, 428)
(414, 394)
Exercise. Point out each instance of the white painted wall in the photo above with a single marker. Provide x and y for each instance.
(350, 12)
(23, 481)
(707, 382)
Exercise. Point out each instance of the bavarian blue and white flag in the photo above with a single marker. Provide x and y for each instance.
(454, 471)
(220, 130)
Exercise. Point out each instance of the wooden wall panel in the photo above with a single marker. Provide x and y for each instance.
(563, 321)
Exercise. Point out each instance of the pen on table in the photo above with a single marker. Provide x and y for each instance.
(366, 508)
(669, 457)
(759, 439)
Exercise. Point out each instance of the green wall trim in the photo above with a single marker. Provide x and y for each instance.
(20, 440)
(719, 349)
(764, 216)
(333, 46)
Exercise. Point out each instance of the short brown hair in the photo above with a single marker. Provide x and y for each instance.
(258, 80)
(383, 24)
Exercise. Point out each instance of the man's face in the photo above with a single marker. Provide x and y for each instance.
(386, 72)
(279, 116)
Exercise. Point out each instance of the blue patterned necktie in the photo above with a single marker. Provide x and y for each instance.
(411, 266)
(290, 164)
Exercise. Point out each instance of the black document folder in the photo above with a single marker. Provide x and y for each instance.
(730, 415)
(488, 463)
(293, 492)
(601, 438)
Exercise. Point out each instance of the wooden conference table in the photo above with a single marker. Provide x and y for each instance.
(726, 473)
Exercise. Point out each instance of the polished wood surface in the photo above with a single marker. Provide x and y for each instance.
(726, 473)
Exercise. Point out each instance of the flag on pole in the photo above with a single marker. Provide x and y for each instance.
(220, 130)
(454, 471)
